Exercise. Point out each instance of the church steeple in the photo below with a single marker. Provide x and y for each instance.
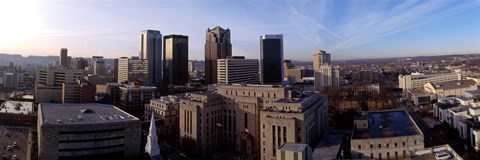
(152, 147)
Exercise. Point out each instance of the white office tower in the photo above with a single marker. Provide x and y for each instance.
(327, 76)
(237, 69)
(152, 147)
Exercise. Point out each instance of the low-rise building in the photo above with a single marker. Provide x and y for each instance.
(420, 97)
(297, 151)
(451, 88)
(165, 109)
(83, 131)
(385, 134)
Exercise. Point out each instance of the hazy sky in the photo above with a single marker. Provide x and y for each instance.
(347, 29)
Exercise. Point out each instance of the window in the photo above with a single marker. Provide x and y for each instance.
(388, 145)
(379, 145)
(415, 142)
(371, 145)
(395, 144)
(359, 146)
(403, 143)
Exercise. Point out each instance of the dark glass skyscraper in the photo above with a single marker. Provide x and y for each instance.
(271, 58)
(217, 46)
(175, 60)
(151, 49)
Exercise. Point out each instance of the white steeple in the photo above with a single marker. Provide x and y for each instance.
(152, 147)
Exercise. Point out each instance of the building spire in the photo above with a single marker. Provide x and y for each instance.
(152, 147)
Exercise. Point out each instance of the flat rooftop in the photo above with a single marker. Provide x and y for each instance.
(391, 123)
(17, 107)
(295, 147)
(329, 146)
(71, 114)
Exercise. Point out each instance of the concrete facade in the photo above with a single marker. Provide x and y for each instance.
(417, 80)
(86, 131)
(240, 118)
(165, 109)
(237, 70)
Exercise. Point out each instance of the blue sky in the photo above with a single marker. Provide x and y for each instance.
(346, 29)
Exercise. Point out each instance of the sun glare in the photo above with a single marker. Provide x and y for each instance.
(19, 21)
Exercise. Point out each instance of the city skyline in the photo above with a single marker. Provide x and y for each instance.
(361, 29)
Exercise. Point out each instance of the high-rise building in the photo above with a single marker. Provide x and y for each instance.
(252, 121)
(191, 66)
(98, 64)
(175, 60)
(151, 50)
(321, 58)
(134, 97)
(115, 69)
(81, 63)
(11, 80)
(86, 131)
(327, 76)
(271, 59)
(49, 81)
(237, 69)
(217, 46)
(132, 69)
(64, 57)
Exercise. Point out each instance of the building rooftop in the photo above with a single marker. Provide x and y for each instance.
(460, 109)
(454, 84)
(18, 140)
(389, 123)
(71, 114)
(295, 147)
(474, 92)
(329, 146)
(17, 107)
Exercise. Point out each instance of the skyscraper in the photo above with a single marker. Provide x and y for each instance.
(175, 60)
(151, 49)
(320, 58)
(271, 58)
(98, 64)
(81, 63)
(217, 46)
(64, 57)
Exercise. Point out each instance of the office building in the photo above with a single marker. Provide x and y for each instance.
(133, 69)
(191, 66)
(327, 76)
(11, 80)
(450, 88)
(82, 91)
(418, 80)
(175, 62)
(237, 69)
(271, 59)
(217, 46)
(321, 58)
(64, 58)
(113, 90)
(243, 119)
(134, 97)
(296, 151)
(151, 50)
(49, 81)
(85, 131)
(115, 69)
(101, 80)
(81, 63)
(387, 134)
(165, 109)
(98, 64)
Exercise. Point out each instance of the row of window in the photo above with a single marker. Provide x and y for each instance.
(387, 145)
